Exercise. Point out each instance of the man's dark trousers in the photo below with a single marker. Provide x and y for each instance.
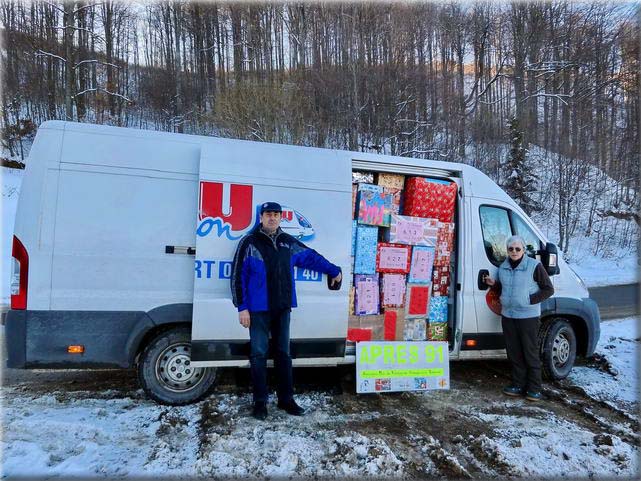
(522, 346)
(262, 323)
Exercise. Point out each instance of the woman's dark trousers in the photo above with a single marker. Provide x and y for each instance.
(522, 346)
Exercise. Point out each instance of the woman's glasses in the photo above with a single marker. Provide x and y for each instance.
(514, 249)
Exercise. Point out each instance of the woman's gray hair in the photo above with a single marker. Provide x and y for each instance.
(513, 239)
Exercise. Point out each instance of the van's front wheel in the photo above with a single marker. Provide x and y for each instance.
(558, 348)
(165, 371)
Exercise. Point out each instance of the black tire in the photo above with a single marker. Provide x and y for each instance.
(558, 348)
(164, 372)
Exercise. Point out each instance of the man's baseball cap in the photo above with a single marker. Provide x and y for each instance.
(270, 207)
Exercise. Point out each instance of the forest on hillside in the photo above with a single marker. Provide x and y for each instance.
(479, 82)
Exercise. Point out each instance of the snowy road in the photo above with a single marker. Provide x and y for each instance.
(99, 423)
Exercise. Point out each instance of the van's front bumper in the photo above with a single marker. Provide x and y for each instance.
(593, 321)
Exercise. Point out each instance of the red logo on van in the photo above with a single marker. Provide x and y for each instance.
(237, 214)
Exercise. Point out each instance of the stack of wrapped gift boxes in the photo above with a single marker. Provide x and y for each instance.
(402, 242)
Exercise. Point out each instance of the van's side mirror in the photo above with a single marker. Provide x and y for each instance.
(550, 259)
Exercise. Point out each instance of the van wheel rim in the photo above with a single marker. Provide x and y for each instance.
(561, 349)
(174, 369)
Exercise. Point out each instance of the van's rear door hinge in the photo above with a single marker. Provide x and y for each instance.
(190, 251)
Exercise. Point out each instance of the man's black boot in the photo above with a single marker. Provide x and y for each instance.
(291, 407)
(260, 410)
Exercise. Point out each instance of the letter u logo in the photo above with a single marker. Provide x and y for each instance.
(230, 202)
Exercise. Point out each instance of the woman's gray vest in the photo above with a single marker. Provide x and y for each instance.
(516, 286)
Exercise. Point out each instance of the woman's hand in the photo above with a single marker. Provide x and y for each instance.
(489, 281)
(337, 279)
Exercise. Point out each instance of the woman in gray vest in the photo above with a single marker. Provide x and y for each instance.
(522, 285)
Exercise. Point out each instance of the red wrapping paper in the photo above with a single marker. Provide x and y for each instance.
(358, 334)
(429, 199)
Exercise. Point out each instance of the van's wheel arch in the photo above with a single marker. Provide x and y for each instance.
(557, 347)
(164, 369)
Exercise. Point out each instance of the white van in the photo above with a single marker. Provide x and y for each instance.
(124, 239)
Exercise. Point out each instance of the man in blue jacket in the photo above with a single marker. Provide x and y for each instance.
(264, 292)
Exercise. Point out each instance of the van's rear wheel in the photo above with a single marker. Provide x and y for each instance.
(558, 348)
(165, 371)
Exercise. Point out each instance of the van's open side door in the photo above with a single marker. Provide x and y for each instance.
(314, 188)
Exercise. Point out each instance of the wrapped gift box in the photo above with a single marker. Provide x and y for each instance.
(371, 205)
(441, 280)
(357, 334)
(442, 256)
(417, 301)
(437, 331)
(366, 297)
(354, 227)
(352, 291)
(412, 230)
(393, 290)
(354, 195)
(393, 258)
(365, 256)
(426, 198)
(446, 234)
(393, 181)
(376, 324)
(392, 203)
(438, 310)
(421, 265)
(414, 330)
(394, 324)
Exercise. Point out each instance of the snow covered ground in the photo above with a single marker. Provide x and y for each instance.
(75, 423)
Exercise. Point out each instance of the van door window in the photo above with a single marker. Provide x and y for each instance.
(496, 229)
(532, 242)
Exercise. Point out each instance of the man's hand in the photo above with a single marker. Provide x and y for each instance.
(337, 279)
(243, 318)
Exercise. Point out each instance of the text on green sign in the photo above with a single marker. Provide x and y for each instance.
(398, 354)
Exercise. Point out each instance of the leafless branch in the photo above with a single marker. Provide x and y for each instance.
(94, 61)
(40, 53)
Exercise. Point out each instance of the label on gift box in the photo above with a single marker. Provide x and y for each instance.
(393, 287)
(421, 265)
(413, 230)
(393, 258)
(417, 300)
(394, 324)
(366, 294)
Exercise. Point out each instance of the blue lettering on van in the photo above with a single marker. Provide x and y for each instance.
(205, 270)
(307, 275)
(222, 228)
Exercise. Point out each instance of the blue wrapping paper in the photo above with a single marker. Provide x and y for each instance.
(365, 250)
(438, 309)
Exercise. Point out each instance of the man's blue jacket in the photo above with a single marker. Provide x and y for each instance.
(263, 270)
